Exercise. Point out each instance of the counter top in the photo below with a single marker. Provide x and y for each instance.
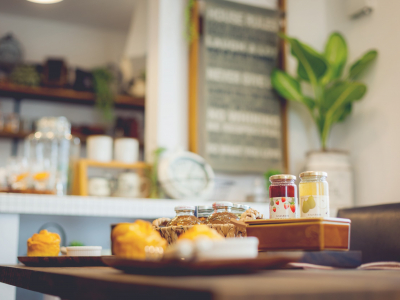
(97, 206)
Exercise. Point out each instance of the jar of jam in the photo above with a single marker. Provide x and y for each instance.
(238, 209)
(314, 195)
(184, 216)
(282, 197)
(203, 212)
(222, 213)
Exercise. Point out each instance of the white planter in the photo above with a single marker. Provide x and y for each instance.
(340, 176)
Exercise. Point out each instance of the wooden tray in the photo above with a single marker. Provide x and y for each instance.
(61, 261)
(210, 267)
(301, 234)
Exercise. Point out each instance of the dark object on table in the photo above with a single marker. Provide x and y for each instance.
(10, 53)
(375, 231)
(83, 81)
(55, 73)
(337, 259)
(210, 267)
(61, 261)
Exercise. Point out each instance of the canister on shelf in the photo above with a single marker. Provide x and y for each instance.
(203, 212)
(238, 209)
(283, 197)
(314, 194)
(184, 216)
(222, 213)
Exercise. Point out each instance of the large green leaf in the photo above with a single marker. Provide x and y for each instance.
(360, 65)
(336, 54)
(312, 66)
(287, 86)
(338, 97)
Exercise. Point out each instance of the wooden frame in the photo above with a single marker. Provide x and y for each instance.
(80, 184)
(194, 89)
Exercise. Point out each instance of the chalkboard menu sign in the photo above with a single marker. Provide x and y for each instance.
(239, 116)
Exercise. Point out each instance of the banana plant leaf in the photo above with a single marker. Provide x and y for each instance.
(358, 68)
(336, 55)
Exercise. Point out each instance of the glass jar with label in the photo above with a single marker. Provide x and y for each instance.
(184, 216)
(314, 195)
(282, 197)
(203, 212)
(238, 209)
(222, 213)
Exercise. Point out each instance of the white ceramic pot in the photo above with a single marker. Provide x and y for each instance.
(99, 147)
(126, 150)
(340, 176)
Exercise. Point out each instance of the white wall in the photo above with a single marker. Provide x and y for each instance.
(81, 45)
(371, 133)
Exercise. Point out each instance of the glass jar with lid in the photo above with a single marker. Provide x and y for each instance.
(314, 194)
(203, 212)
(282, 197)
(238, 209)
(48, 151)
(222, 213)
(184, 216)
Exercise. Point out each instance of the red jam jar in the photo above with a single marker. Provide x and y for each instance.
(282, 197)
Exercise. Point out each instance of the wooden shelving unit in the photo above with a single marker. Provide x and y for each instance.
(63, 95)
(19, 93)
(22, 135)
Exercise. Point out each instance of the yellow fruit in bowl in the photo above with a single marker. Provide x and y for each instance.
(41, 176)
(200, 231)
(44, 243)
(130, 239)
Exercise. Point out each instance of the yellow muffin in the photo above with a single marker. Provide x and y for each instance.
(44, 243)
(130, 239)
(200, 231)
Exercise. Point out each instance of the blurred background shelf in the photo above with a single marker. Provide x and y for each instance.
(98, 206)
(22, 135)
(64, 95)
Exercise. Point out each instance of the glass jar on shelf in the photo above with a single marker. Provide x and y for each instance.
(283, 197)
(203, 212)
(238, 209)
(222, 213)
(184, 216)
(48, 151)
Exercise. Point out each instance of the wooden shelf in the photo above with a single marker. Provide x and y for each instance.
(64, 95)
(22, 135)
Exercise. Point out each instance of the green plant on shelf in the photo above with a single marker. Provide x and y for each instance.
(102, 80)
(333, 91)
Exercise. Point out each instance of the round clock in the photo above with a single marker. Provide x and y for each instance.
(185, 175)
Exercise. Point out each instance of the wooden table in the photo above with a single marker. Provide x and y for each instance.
(100, 283)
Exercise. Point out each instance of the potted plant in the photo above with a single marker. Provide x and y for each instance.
(334, 92)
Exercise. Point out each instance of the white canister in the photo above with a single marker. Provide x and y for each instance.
(126, 150)
(99, 147)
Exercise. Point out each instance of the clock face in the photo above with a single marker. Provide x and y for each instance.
(186, 175)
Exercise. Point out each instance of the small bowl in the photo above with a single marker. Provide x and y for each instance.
(84, 251)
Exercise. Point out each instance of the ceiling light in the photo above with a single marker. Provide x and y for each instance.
(45, 1)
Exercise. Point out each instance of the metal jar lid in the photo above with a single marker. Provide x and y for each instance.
(313, 173)
(222, 204)
(185, 208)
(282, 177)
(241, 206)
(204, 207)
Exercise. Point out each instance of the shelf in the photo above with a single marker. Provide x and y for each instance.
(64, 95)
(22, 135)
(98, 206)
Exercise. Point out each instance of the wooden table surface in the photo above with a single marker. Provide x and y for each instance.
(98, 283)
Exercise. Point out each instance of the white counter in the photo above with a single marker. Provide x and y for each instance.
(97, 206)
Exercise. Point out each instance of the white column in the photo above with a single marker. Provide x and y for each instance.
(167, 77)
(9, 230)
